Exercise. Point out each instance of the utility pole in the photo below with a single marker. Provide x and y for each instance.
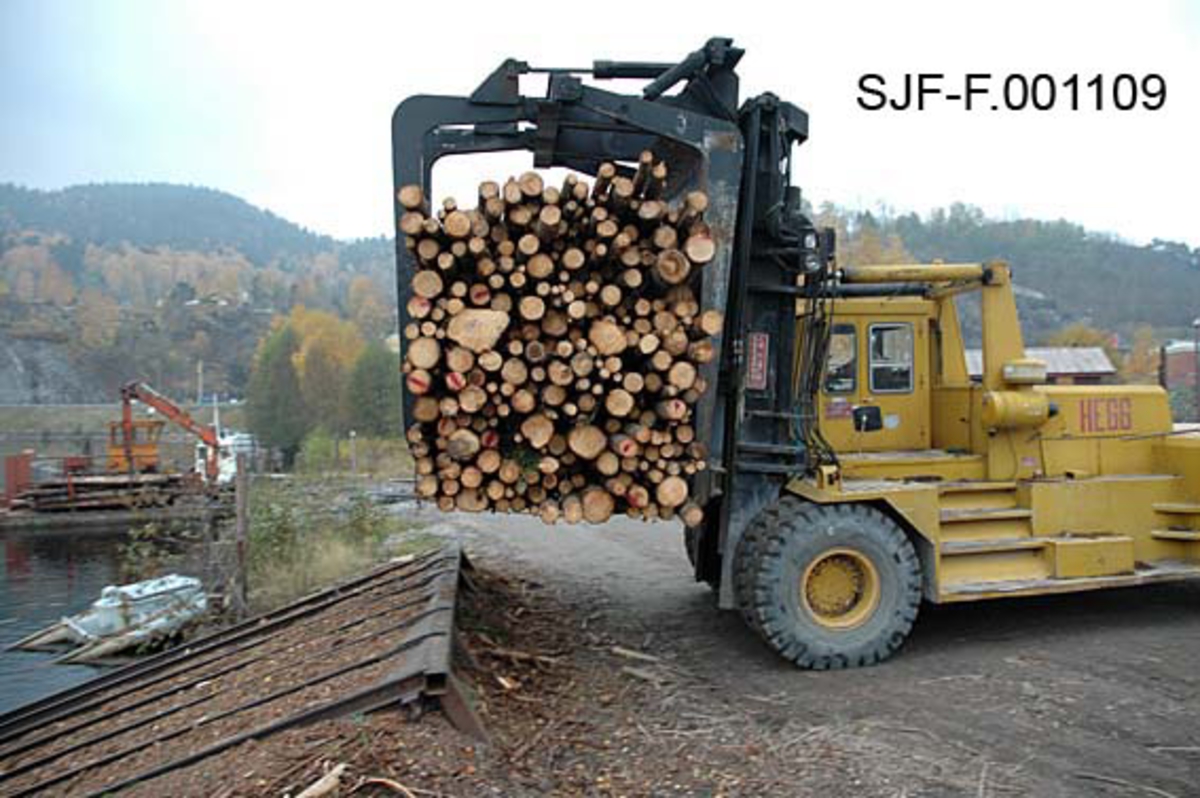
(200, 381)
(1196, 369)
(353, 452)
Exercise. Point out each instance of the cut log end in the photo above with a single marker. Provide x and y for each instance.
(672, 267)
(587, 441)
(553, 340)
(411, 197)
(477, 329)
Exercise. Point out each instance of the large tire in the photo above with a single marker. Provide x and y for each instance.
(829, 586)
(748, 551)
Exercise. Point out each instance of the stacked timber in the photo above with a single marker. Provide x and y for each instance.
(100, 492)
(555, 343)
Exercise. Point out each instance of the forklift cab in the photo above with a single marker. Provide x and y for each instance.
(136, 449)
(875, 396)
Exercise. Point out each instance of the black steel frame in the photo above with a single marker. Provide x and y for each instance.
(741, 158)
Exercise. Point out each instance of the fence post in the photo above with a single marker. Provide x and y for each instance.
(241, 523)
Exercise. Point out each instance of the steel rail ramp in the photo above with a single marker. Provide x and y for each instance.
(17, 721)
(194, 674)
(417, 661)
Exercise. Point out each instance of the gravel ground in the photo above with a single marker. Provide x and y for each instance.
(1087, 695)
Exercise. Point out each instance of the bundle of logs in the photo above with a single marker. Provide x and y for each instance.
(100, 492)
(554, 346)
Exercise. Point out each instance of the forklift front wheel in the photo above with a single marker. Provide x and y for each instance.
(840, 588)
(835, 586)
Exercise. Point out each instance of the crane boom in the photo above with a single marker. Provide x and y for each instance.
(207, 433)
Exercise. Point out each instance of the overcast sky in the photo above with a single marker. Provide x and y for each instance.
(287, 104)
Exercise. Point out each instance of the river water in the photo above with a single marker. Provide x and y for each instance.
(46, 574)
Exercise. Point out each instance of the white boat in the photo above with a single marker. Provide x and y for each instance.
(124, 617)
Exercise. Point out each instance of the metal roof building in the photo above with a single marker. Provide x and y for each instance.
(1065, 365)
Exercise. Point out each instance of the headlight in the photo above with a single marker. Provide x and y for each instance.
(1025, 371)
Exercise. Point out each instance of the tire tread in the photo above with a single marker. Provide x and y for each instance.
(758, 574)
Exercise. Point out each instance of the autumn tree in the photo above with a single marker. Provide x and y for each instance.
(373, 396)
(98, 318)
(1141, 364)
(321, 329)
(55, 285)
(323, 386)
(861, 240)
(368, 309)
(276, 412)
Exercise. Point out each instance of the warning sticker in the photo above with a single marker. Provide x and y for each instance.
(756, 368)
(836, 409)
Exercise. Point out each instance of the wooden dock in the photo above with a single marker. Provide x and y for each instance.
(110, 520)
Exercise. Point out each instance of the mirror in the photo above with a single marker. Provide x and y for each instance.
(867, 418)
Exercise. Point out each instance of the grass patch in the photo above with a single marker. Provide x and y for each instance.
(324, 453)
(306, 534)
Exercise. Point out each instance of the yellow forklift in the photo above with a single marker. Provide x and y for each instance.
(855, 469)
(933, 486)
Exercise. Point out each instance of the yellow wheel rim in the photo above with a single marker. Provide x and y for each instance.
(840, 589)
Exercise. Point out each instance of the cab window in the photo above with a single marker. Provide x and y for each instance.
(841, 374)
(891, 358)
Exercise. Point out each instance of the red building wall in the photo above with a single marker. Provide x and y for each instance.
(1179, 368)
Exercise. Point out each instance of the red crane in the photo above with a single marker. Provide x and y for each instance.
(143, 393)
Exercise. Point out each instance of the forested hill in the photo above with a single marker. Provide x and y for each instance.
(104, 283)
(185, 218)
(1092, 278)
(101, 284)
